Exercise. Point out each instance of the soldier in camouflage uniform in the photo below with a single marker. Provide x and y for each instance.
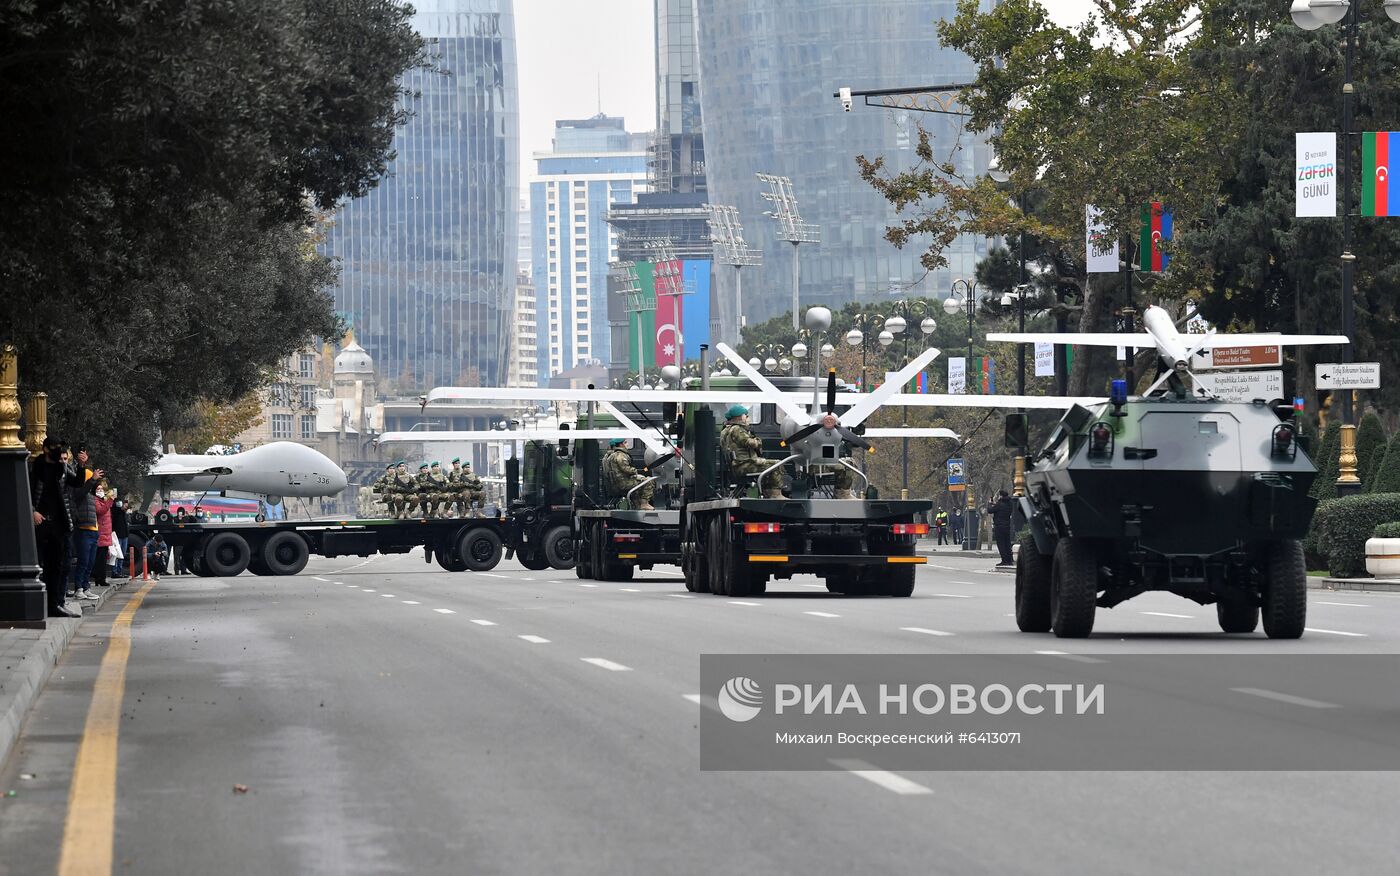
(422, 496)
(745, 452)
(619, 476)
(403, 495)
(441, 490)
(382, 488)
(473, 491)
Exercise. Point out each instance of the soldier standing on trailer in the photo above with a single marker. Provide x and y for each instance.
(745, 452)
(620, 477)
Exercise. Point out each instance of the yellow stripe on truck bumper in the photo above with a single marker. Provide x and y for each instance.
(906, 559)
(768, 558)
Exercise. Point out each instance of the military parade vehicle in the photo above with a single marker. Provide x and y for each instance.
(539, 491)
(1175, 491)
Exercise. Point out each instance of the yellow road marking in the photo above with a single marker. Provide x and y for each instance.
(92, 798)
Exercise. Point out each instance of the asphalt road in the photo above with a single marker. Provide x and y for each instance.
(388, 717)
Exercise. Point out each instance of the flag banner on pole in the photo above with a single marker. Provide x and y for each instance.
(696, 274)
(989, 376)
(919, 384)
(1156, 229)
(1100, 252)
(642, 326)
(669, 311)
(1044, 359)
(1379, 195)
(957, 375)
(1315, 170)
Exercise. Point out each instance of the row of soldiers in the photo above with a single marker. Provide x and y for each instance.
(430, 490)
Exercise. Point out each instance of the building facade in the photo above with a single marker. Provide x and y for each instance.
(595, 164)
(768, 69)
(428, 257)
(288, 406)
(678, 150)
(522, 362)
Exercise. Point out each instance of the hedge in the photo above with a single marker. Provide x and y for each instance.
(1387, 530)
(1370, 447)
(1387, 476)
(1325, 487)
(1341, 526)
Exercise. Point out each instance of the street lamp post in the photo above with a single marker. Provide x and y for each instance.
(898, 324)
(1311, 15)
(966, 300)
(790, 228)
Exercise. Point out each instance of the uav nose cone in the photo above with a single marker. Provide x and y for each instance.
(1180, 365)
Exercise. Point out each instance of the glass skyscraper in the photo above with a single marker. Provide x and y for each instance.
(428, 257)
(768, 70)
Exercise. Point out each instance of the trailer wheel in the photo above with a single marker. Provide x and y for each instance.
(225, 554)
(285, 553)
(718, 549)
(1237, 612)
(583, 549)
(531, 559)
(164, 516)
(559, 548)
(448, 560)
(1075, 571)
(899, 580)
(480, 548)
(256, 564)
(1033, 585)
(1285, 591)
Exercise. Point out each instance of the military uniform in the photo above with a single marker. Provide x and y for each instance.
(472, 491)
(745, 454)
(619, 477)
(842, 480)
(403, 495)
(440, 490)
(382, 488)
(424, 490)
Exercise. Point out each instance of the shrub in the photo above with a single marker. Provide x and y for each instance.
(1346, 524)
(1387, 530)
(1370, 447)
(1325, 487)
(1387, 476)
(1313, 554)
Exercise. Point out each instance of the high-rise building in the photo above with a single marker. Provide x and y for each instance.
(768, 69)
(595, 164)
(678, 152)
(522, 360)
(428, 261)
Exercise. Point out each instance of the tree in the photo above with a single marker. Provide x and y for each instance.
(1370, 447)
(1328, 465)
(214, 423)
(1387, 477)
(154, 247)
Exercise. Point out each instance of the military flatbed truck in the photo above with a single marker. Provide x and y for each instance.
(283, 547)
(539, 490)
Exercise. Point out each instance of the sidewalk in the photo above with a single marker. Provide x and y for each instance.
(27, 657)
(929, 546)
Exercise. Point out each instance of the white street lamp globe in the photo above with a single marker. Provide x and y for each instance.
(636, 387)
(785, 364)
(755, 362)
(855, 336)
(770, 363)
(828, 350)
(886, 339)
(997, 172)
(799, 350)
(951, 306)
(671, 374)
(1329, 11)
(895, 324)
(928, 326)
(725, 372)
(1007, 300)
(818, 319)
(1392, 9)
(1303, 15)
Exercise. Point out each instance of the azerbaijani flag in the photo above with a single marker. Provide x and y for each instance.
(919, 383)
(1379, 194)
(1156, 227)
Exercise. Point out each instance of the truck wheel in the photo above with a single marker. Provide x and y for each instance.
(1285, 591)
(1075, 572)
(1237, 612)
(256, 564)
(480, 548)
(559, 548)
(718, 556)
(899, 581)
(226, 554)
(285, 553)
(1033, 585)
(532, 560)
(583, 549)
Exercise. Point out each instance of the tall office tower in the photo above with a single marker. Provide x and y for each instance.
(768, 70)
(594, 165)
(678, 152)
(428, 261)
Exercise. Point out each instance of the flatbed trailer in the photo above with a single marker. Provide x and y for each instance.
(282, 547)
(612, 543)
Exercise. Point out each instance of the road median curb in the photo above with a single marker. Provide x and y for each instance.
(1376, 585)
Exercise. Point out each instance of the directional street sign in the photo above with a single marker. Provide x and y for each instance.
(1241, 385)
(1348, 375)
(1270, 356)
(955, 475)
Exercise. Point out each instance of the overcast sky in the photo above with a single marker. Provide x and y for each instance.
(570, 51)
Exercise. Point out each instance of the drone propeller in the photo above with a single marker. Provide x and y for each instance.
(770, 392)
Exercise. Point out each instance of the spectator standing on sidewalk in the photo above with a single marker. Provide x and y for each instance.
(53, 520)
(121, 534)
(940, 525)
(955, 522)
(82, 497)
(1000, 512)
(102, 560)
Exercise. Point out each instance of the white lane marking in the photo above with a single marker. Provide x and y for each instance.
(681, 595)
(1167, 614)
(1351, 604)
(481, 622)
(821, 614)
(588, 585)
(1285, 698)
(356, 566)
(319, 578)
(954, 595)
(444, 611)
(925, 630)
(694, 698)
(1078, 658)
(742, 602)
(630, 590)
(1335, 632)
(366, 590)
(353, 586)
(491, 575)
(536, 640)
(411, 602)
(387, 595)
(606, 664)
(968, 583)
(885, 779)
(524, 579)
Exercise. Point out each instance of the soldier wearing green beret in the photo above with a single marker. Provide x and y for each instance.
(744, 451)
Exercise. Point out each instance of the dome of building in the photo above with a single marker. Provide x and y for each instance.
(353, 359)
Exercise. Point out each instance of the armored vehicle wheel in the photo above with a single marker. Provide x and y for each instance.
(583, 549)
(285, 553)
(532, 560)
(480, 548)
(1075, 573)
(559, 548)
(1237, 612)
(226, 554)
(1033, 585)
(1285, 591)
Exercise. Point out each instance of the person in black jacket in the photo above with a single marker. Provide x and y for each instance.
(121, 533)
(1000, 511)
(53, 521)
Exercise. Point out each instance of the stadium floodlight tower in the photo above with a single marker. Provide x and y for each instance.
(790, 228)
(727, 235)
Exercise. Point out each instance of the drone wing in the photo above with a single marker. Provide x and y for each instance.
(1088, 339)
(770, 392)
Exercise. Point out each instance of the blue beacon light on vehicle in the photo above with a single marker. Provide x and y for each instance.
(1118, 396)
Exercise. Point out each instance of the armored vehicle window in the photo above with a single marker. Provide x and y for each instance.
(1077, 417)
(1207, 427)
